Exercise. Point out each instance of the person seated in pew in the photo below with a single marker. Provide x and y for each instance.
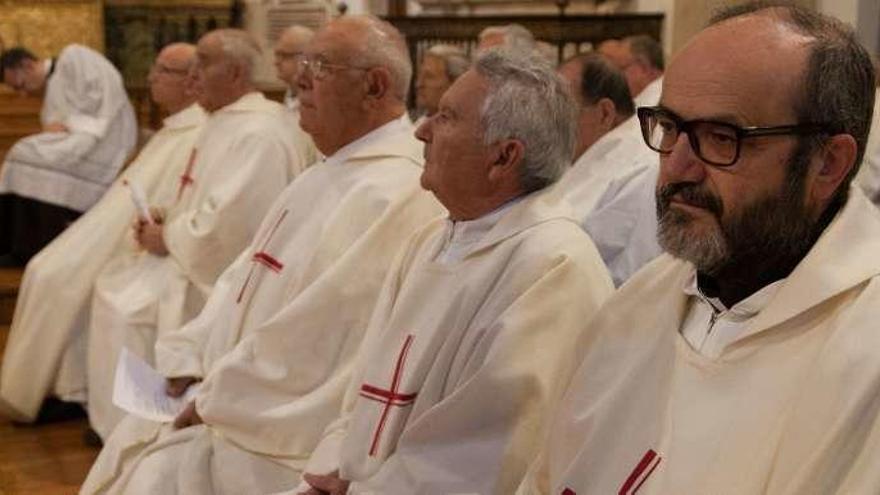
(248, 151)
(89, 130)
(476, 330)
(746, 359)
(274, 346)
(43, 377)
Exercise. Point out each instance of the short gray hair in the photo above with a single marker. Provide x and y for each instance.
(384, 46)
(241, 48)
(516, 36)
(454, 58)
(529, 102)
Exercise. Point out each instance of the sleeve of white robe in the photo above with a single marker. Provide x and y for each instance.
(179, 353)
(205, 240)
(482, 437)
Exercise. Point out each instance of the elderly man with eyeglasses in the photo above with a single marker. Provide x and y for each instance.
(746, 360)
(273, 349)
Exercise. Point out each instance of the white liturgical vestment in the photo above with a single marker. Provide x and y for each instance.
(467, 355)
(788, 407)
(869, 172)
(276, 341)
(623, 224)
(73, 169)
(55, 294)
(619, 152)
(247, 153)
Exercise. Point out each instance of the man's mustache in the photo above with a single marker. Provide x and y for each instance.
(689, 193)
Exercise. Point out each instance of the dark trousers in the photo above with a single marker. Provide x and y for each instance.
(27, 225)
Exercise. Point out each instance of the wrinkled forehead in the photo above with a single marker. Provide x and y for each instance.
(749, 70)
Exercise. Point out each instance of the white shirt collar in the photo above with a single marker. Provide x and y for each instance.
(462, 235)
(381, 132)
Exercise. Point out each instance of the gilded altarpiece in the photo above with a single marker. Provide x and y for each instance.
(47, 26)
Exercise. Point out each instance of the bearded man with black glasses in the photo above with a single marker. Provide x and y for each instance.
(747, 358)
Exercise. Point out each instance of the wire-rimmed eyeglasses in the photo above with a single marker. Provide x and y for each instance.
(716, 143)
(319, 68)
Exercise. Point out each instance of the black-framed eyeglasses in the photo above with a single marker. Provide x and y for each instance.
(318, 68)
(716, 143)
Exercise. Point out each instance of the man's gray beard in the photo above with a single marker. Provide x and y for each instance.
(773, 231)
(707, 253)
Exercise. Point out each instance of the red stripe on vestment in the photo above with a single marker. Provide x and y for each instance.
(267, 260)
(629, 486)
(389, 396)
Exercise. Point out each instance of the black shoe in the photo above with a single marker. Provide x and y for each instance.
(91, 438)
(54, 411)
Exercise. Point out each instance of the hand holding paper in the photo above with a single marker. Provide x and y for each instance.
(140, 390)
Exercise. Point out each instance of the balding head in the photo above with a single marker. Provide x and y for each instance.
(602, 95)
(225, 67)
(639, 58)
(170, 78)
(288, 51)
(357, 79)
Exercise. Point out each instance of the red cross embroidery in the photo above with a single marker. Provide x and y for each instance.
(568, 491)
(640, 474)
(389, 397)
(263, 258)
(187, 179)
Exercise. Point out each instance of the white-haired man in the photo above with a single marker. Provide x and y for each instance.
(441, 66)
(288, 53)
(274, 346)
(475, 332)
(249, 150)
(746, 360)
(44, 355)
(89, 130)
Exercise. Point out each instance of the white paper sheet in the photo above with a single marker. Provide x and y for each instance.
(140, 390)
(140, 201)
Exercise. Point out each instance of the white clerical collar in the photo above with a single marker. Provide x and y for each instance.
(462, 235)
(744, 309)
(182, 118)
(389, 129)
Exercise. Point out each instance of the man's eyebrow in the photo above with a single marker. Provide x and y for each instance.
(726, 118)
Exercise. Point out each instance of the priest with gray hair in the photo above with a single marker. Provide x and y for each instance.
(475, 331)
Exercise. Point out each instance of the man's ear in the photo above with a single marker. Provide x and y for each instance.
(607, 113)
(378, 83)
(506, 159)
(835, 160)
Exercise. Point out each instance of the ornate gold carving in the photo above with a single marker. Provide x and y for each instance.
(47, 26)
